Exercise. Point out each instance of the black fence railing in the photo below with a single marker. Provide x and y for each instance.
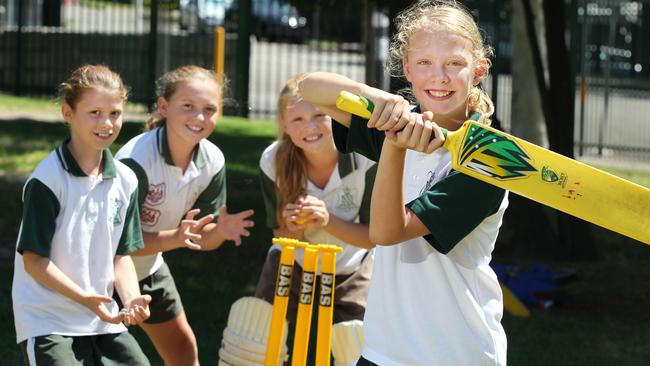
(41, 41)
(140, 42)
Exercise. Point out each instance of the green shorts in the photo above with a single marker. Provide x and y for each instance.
(102, 349)
(165, 300)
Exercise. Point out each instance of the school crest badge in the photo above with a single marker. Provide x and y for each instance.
(346, 199)
(149, 216)
(156, 194)
(116, 208)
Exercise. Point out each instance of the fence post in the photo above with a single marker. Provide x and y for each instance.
(153, 50)
(496, 21)
(243, 57)
(219, 58)
(19, 49)
(575, 51)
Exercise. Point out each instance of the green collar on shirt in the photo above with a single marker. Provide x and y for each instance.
(346, 164)
(71, 166)
(163, 147)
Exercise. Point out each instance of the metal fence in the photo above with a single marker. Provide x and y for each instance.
(612, 115)
(267, 41)
(140, 42)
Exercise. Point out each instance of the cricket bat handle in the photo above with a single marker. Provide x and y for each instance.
(361, 106)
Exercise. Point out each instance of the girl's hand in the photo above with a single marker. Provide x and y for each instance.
(186, 232)
(417, 134)
(292, 215)
(136, 310)
(391, 112)
(233, 227)
(95, 303)
(309, 211)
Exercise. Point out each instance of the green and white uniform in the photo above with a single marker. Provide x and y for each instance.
(167, 193)
(80, 223)
(346, 195)
(434, 300)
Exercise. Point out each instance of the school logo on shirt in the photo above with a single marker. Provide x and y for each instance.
(156, 194)
(149, 216)
(116, 208)
(431, 176)
(346, 199)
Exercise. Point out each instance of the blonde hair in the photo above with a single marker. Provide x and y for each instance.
(91, 77)
(168, 84)
(290, 161)
(448, 16)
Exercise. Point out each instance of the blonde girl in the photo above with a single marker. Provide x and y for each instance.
(182, 181)
(314, 193)
(80, 223)
(433, 300)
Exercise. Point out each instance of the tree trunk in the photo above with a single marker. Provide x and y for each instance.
(526, 110)
(574, 238)
(575, 234)
(396, 83)
(531, 229)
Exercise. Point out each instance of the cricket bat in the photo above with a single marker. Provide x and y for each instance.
(541, 175)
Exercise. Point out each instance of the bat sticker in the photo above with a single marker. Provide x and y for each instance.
(548, 175)
(494, 155)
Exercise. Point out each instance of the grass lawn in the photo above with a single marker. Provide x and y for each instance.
(601, 318)
(209, 282)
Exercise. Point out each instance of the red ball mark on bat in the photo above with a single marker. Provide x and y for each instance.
(572, 194)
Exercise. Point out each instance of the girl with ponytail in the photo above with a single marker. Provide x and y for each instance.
(316, 194)
(433, 299)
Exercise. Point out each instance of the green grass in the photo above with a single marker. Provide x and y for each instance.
(641, 177)
(209, 282)
(601, 318)
(13, 103)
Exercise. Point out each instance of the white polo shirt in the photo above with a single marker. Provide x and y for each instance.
(435, 300)
(347, 196)
(80, 223)
(166, 193)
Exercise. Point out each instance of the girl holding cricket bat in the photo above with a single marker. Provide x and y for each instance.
(80, 224)
(182, 183)
(316, 194)
(433, 300)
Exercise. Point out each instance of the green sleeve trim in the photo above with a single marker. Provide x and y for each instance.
(358, 138)
(270, 199)
(40, 210)
(131, 239)
(364, 210)
(455, 206)
(213, 197)
(143, 180)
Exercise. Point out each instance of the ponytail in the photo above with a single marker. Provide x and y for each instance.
(479, 101)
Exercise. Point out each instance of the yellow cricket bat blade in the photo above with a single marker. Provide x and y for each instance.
(541, 175)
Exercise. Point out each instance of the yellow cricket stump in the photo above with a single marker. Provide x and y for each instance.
(326, 303)
(305, 306)
(280, 300)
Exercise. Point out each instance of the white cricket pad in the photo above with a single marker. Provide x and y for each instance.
(347, 342)
(245, 337)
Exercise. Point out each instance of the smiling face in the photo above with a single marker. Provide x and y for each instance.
(95, 121)
(308, 127)
(441, 70)
(192, 111)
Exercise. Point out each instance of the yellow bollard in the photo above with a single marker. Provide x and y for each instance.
(219, 59)
(280, 300)
(326, 304)
(305, 306)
